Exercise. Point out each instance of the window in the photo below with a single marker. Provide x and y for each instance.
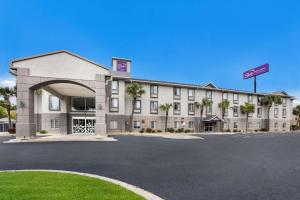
(176, 108)
(276, 112)
(235, 98)
(153, 107)
(113, 124)
(259, 99)
(136, 124)
(137, 106)
(284, 113)
(153, 91)
(115, 87)
(176, 93)
(54, 123)
(191, 94)
(191, 124)
(177, 124)
(114, 105)
(225, 95)
(283, 125)
(235, 125)
(153, 124)
(209, 94)
(209, 110)
(82, 104)
(191, 108)
(235, 111)
(250, 98)
(54, 103)
(284, 102)
(259, 112)
(276, 125)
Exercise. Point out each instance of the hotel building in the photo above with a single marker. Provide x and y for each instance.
(62, 92)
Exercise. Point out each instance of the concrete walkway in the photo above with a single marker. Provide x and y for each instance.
(63, 138)
(179, 136)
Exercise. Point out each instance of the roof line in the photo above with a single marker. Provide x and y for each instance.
(56, 52)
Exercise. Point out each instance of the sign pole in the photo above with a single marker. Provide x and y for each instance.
(254, 84)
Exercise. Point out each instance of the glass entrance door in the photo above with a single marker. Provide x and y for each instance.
(83, 125)
(208, 126)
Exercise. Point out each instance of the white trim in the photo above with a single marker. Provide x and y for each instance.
(85, 118)
(139, 191)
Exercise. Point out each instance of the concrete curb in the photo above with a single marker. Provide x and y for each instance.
(147, 195)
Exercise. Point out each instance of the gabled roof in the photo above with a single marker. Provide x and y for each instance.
(212, 118)
(210, 85)
(57, 52)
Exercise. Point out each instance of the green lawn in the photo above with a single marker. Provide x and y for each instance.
(58, 186)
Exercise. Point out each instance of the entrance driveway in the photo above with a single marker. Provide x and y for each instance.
(218, 167)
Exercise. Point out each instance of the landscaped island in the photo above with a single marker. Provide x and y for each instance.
(37, 185)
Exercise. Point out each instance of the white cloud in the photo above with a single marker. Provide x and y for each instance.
(8, 83)
(296, 94)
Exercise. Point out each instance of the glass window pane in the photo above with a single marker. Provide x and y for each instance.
(90, 104)
(78, 104)
(54, 103)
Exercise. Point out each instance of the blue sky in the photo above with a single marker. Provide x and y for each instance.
(182, 41)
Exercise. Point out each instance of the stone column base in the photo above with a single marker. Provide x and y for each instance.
(25, 130)
(100, 129)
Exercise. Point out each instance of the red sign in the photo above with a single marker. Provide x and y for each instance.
(256, 71)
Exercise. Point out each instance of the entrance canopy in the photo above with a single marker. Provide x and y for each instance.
(212, 118)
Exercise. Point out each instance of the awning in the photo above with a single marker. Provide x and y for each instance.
(212, 118)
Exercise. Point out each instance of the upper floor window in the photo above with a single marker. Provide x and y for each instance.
(153, 107)
(83, 104)
(284, 113)
(276, 112)
(191, 94)
(225, 95)
(209, 110)
(177, 93)
(259, 112)
(259, 99)
(54, 103)
(250, 98)
(284, 102)
(176, 108)
(235, 98)
(191, 108)
(114, 105)
(115, 87)
(137, 106)
(209, 94)
(153, 91)
(235, 111)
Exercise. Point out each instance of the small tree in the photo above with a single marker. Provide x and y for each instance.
(296, 112)
(268, 101)
(247, 109)
(201, 105)
(6, 93)
(166, 107)
(135, 90)
(224, 105)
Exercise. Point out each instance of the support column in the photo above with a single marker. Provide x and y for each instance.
(25, 126)
(100, 126)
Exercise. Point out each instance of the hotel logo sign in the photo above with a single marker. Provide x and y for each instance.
(256, 71)
(121, 66)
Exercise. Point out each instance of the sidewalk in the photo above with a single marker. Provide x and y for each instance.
(63, 138)
(180, 136)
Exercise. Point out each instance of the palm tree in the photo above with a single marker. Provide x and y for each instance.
(247, 109)
(224, 105)
(166, 107)
(268, 101)
(135, 90)
(201, 105)
(6, 93)
(296, 111)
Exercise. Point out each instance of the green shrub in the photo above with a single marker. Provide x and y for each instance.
(263, 129)
(12, 131)
(153, 131)
(148, 130)
(43, 131)
(171, 130)
(159, 131)
(228, 130)
(187, 130)
(180, 130)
